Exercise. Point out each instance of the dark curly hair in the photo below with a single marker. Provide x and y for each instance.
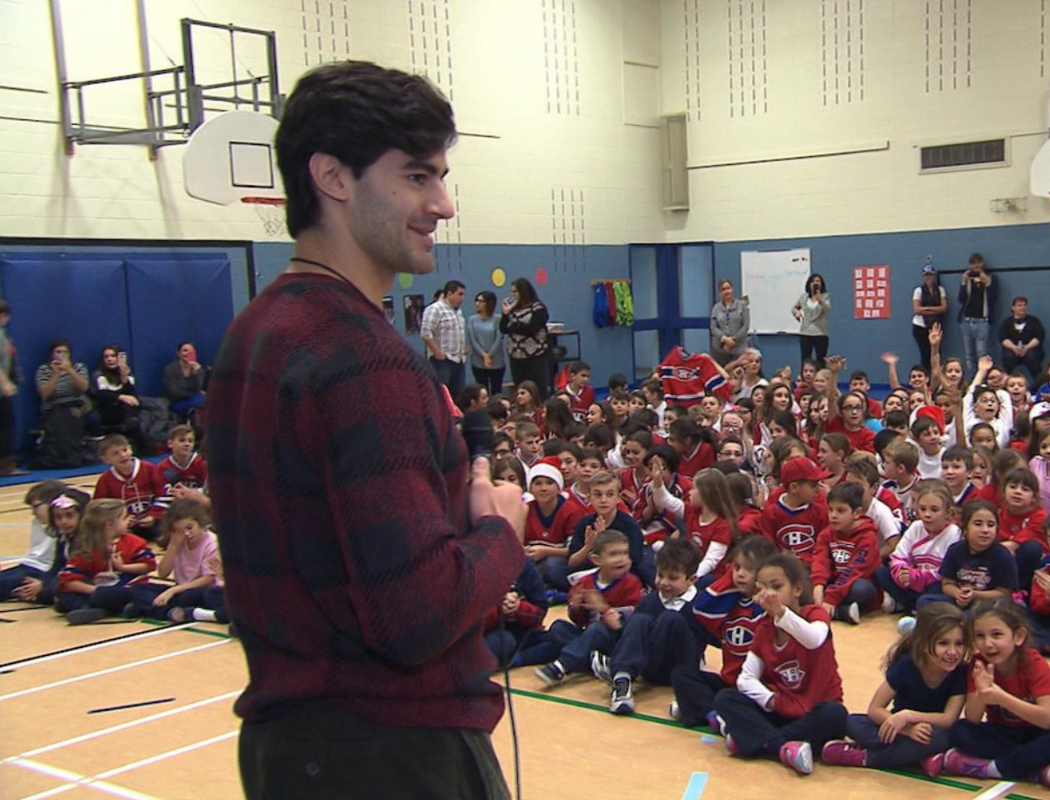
(355, 111)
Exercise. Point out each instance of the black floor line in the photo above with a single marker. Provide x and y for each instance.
(132, 705)
(84, 646)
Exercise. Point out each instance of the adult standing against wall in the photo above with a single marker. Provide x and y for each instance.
(360, 561)
(929, 302)
(485, 341)
(444, 332)
(976, 300)
(1022, 336)
(524, 321)
(730, 322)
(812, 310)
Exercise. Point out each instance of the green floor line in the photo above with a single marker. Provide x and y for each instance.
(161, 623)
(567, 701)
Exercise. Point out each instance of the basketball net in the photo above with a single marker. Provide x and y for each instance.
(270, 211)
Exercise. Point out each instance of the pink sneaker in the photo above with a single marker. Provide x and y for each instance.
(957, 762)
(932, 765)
(731, 747)
(844, 754)
(798, 756)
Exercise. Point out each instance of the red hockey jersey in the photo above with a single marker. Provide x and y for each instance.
(841, 558)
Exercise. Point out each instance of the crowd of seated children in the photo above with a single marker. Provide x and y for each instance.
(923, 508)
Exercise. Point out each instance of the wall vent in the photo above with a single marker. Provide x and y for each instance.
(964, 155)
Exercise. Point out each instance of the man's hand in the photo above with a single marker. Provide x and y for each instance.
(488, 500)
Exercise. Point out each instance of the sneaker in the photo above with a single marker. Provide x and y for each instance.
(906, 624)
(957, 762)
(844, 754)
(674, 711)
(932, 765)
(622, 700)
(600, 667)
(889, 605)
(716, 723)
(798, 756)
(731, 747)
(82, 616)
(1042, 777)
(178, 615)
(551, 674)
(850, 614)
(130, 611)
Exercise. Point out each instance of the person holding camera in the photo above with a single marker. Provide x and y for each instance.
(976, 298)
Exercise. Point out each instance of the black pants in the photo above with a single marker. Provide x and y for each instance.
(318, 750)
(1032, 361)
(757, 732)
(922, 339)
(537, 368)
(817, 345)
(491, 379)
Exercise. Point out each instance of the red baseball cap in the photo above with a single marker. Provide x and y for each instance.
(801, 468)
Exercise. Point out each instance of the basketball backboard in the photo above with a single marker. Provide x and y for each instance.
(230, 157)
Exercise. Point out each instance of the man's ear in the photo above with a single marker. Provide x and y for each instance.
(330, 175)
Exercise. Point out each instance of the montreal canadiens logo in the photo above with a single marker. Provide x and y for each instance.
(139, 507)
(797, 538)
(791, 674)
(683, 374)
(738, 635)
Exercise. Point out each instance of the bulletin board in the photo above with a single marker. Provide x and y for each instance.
(772, 280)
(871, 292)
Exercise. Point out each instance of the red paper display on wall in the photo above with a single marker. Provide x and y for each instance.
(871, 292)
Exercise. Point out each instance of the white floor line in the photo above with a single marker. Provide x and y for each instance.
(76, 780)
(178, 751)
(124, 726)
(111, 670)
(99, 781)
(998, 790)
(99, 646)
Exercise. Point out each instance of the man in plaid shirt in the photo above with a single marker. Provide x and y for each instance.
(444, 332)
(360, 563)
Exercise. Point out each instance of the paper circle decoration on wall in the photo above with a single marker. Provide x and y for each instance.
(405, 280)
(499, 277)
(541, 277)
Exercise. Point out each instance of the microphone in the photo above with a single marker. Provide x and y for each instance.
(478, 433)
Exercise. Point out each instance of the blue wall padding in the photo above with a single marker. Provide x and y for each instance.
(145, 304)
(175, 300)
(51, 297)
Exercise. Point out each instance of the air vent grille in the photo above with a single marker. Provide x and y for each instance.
(965, 154)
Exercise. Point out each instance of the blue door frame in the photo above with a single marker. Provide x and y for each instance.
(672, 270)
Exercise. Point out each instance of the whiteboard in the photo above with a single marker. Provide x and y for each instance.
(773, 280)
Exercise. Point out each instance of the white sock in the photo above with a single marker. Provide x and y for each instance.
(993, 771)
(204, 615)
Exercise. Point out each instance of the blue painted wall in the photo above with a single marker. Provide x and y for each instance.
(1019, 255)
(567, 294)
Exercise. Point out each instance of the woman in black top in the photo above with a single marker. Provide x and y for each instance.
(524, 322)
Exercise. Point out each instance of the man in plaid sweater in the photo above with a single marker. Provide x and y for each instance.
(359, 561)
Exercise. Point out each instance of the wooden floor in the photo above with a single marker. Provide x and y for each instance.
(182, 745)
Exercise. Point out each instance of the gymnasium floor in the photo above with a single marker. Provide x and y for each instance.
(61, 736)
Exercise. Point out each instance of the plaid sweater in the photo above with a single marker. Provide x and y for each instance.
(339, 484)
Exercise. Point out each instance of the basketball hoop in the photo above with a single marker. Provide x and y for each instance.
(270, 211)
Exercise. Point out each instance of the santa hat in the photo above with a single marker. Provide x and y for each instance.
(549, 467)
(933, 412)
